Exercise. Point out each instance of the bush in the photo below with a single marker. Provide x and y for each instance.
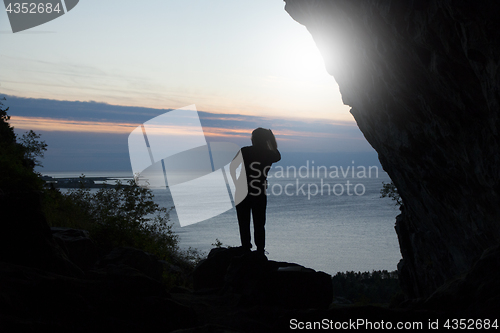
(125, 215)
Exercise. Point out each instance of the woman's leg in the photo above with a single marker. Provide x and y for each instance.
(259, 221)
(243, 214)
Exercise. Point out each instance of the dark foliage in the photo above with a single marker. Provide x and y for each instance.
(18, 160)
(389, 190)
(377, 287)
(125, 215)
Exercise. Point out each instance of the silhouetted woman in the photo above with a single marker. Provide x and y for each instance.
(257, 160)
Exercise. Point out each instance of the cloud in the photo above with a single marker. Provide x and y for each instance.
(78, 110)
(101, 117)
(65, 125)
(102, 131)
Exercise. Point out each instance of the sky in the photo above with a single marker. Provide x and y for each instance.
(86, 79)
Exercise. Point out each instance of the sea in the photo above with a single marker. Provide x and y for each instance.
(331, 221)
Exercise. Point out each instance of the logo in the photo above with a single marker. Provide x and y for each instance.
(171, 151)
(26, 15)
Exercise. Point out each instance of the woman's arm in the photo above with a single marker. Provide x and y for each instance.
(273, 146)
(271, 141)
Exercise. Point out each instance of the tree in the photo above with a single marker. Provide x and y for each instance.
(33, 147)
(366, 287)
(390, 190)
(17, 168)
(7, 136)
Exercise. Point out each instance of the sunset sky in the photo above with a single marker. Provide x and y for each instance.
(106, 66)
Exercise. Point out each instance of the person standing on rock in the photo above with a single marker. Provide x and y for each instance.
(257, 160)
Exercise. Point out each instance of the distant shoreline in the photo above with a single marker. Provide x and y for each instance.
(87, 182)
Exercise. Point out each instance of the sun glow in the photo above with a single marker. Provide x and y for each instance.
(304, 62)
(296, 81)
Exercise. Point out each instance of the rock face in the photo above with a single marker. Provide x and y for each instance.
(476, 292)
(422, 78)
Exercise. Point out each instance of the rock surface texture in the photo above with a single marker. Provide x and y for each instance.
(422, 78)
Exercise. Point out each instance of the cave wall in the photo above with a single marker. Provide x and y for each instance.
(422, 80)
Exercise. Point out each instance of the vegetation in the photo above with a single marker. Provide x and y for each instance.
(119, 216)
(364, 288)
(18, 160)
(218, 244)
(390, 190)
(33, 147)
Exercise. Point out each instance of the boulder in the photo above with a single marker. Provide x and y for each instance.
(210, 273)
(260, 281)
(146, 263)
(79, 247)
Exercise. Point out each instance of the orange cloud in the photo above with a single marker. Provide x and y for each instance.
(282, 135)
(227, 132)
(64, 125)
